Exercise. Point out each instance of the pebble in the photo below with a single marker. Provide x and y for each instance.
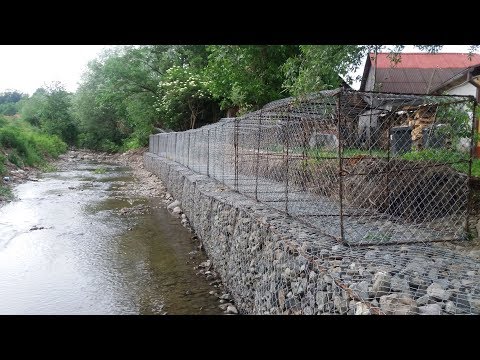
(231, 309)
(430, 309)
(381, 283)
(436, 291)
(361, 309)
(398, 304)
(173, 205)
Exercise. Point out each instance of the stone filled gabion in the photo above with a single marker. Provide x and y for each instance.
(332, 203)
(274, 264)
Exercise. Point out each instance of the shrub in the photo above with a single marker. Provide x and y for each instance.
(28, 146)
(2, 164)
(14, 158)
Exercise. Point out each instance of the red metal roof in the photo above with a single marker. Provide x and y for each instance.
(427, 61)
(417, 73)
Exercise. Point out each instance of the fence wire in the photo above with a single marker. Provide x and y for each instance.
(380, 176)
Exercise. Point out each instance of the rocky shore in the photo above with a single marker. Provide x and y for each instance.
(147, 185)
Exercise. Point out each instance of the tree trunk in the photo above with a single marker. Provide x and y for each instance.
(232, 111)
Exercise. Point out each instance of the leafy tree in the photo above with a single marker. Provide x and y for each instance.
(183, 98)
(247, 77)
(183, 91)
(8, 109)
(9, 101)
(13, 96)
(31, 108)
(317, 67)
(55, 116)
(118, 93)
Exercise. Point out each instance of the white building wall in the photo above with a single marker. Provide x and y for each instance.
(369, 83)
(463, 89)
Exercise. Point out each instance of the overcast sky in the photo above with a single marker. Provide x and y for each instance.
(28, 67)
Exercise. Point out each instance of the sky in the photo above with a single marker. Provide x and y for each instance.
(25, 68)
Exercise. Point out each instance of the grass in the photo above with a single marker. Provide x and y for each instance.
(25, 145)
(100, 171)
(319, 153)
(378, 237)
(2, 164)
(47, 167)
(14, 158)
(5, 192)
(456, 159)
(347, 153)
(459, 160)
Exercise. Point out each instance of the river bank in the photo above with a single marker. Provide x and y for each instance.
(138, 215)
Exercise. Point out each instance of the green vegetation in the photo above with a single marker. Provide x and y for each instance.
(22, 144)
(318, 153)
(5, 192)
(29, 146)
(459, 159)
(2, 164)
(10, 101)
(128, 92)
(100, 170)
(47, 167)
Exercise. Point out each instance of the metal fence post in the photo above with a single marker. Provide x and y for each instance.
(470, 160)
(208, 152)
(167, 149)
(188, 151)
(175, 154)
(258, 155)
(340, 163)
(235, 142)
(286, 134)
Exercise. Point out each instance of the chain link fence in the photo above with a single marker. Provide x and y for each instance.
(379, 179)
(364, 168)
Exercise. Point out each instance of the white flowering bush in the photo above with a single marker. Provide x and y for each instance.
(183, 91)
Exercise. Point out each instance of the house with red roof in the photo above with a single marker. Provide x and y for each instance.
(423, 73)
(420, 73)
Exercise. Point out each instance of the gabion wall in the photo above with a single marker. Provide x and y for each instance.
(274, 264)
(333, 203)
(363, 168)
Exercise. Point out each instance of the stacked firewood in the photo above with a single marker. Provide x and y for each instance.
(418, 118)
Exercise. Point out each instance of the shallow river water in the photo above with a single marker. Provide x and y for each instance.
(70, 245)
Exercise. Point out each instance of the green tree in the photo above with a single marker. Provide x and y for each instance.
(12, 96)
(184, 100)
(55, 116)
(247, 77)
(115, 101)
(183, 90)
(31, 108)
(9, 102)
(318, 67)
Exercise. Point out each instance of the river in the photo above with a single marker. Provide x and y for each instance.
(75, 243)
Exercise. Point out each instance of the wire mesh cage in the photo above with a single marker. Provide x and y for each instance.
(362, 167)
(374, 180)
